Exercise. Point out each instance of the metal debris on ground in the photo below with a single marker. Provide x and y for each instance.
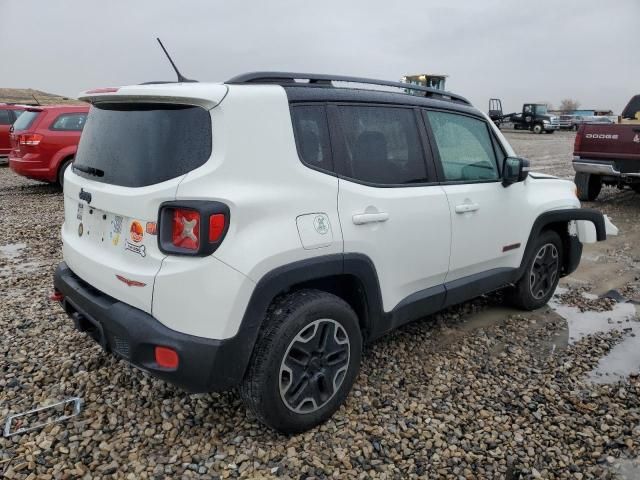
(68, 408)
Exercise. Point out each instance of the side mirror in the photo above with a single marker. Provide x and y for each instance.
(514, 170)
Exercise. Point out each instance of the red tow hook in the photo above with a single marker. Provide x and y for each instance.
(56, 296)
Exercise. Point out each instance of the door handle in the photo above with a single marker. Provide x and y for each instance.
(467, 207)
(362, 218)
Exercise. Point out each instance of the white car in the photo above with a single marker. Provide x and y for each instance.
(257, 232)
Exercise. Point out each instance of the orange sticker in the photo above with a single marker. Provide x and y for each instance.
(136, 232)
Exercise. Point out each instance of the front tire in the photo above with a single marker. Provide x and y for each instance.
(588, 186)
(538, 129)
(304, 362)
(542, 273)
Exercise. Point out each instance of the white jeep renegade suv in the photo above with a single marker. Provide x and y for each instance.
(256, 233)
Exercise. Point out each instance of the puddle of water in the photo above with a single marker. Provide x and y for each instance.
(627, 469)
(11, 250)
(624, 359)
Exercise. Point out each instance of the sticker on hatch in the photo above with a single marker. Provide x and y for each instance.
(136, 233)
(139, 249)
(116, 230)
(80, 211)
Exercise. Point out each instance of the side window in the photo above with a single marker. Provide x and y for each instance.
(312, 135)
(465, 147)
(69, 122)
(5, 117)
(381, 145)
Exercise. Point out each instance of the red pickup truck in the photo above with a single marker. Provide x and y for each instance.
(608, 154)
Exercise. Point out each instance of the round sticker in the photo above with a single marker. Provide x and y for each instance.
(320, 224)
(80, 229)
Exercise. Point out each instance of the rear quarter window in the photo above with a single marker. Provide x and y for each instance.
(312, 136)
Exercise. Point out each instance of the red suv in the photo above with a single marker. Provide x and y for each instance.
(8, 114)
(44, 141)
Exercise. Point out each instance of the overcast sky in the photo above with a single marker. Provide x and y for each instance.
(517, 50)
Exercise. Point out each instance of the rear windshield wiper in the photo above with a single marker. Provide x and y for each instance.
(90, 170)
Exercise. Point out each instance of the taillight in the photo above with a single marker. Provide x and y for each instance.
(30, 139)
(192, 227)
(216, 226)
(186, 229)
(577, 143)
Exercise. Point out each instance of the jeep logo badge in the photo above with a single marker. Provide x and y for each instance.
(86, 196)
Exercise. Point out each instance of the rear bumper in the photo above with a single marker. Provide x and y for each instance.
(32, 165)
(601, 167)
(204, 364)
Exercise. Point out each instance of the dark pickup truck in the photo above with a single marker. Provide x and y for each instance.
(608, 154)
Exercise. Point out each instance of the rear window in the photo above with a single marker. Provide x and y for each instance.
(139, 144)
(25, 120)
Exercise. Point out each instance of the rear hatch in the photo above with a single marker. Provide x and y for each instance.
(620, 143)
(136, 147)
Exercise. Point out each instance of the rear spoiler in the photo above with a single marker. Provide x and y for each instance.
(206, 95)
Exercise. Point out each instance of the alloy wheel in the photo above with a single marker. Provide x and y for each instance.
(544, 271)
(314, 366)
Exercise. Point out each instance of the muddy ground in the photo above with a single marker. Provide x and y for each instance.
(479, 391)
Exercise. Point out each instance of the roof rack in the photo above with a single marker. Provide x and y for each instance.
(322, 79)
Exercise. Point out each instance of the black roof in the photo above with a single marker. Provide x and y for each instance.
(305, 87)
(308, 93)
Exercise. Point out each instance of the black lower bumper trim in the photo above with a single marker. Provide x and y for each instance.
(204, 364)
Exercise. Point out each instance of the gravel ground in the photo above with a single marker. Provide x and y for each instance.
(479, 391)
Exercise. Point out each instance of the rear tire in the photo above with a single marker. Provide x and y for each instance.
(542, 273)
(588, 186)
(305, 361)
(63, 167)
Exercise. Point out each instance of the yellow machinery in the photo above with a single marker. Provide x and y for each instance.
(430, 80)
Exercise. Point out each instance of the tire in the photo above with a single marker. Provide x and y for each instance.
(551, 132)
(542, 273)
(537, 128)
(588, 186)
(307, 335)
(575, 127)
(635, 187)
(63, 167)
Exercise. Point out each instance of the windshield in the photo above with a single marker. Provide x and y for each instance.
(25, 120)
(139, 144)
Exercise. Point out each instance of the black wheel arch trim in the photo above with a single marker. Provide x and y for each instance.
(574, 248)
